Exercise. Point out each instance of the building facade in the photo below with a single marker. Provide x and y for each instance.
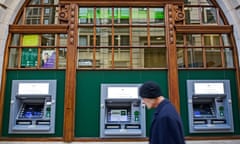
(82, 44)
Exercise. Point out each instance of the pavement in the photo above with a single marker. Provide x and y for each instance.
(187, 142)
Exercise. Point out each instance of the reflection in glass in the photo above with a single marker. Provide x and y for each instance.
(139, 36)
(63, 40)
(155, 58)
(62, 55)
(157, 36)
(85, 57)
(121, 58)
(179, 39)
(213, 57)
(84, 35)
(137, 57)
(228, 53)
(103, 15)
(180, 57)
(139, 15)
(15, 40)
(121, 37)
(226, 40)
(13, 58)
(194, 40)
(192, 15)
(104, 58)
(33, 15)
(48, 39)
(48, 58)
(195, 57)
(209, 15)
(86, 15)
(211, 40)
(121, 15)
(103, 33)
(49, 15)
(156, 15)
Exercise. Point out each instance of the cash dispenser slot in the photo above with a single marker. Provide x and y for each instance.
(218, 121)
(112, 126)
(132, 126)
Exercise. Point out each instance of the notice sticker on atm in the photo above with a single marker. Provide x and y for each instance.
(33, 88)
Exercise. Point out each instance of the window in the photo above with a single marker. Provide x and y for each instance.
(37, 51)
(121, 38)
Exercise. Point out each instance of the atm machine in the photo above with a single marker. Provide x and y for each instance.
(209, 106)
(32, 107)
(122, 113)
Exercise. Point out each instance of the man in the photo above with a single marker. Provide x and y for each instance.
(166, 127)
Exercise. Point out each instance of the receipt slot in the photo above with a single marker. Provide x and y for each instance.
(32, 107)
(122, 112)
(210, 106)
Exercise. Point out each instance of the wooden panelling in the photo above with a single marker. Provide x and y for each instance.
(38, 28)
(206, 29)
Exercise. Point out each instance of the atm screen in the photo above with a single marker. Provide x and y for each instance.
(32, 111)
(116, 115)
(203, 109)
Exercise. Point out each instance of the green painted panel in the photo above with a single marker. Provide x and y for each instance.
(87, 112)
(36, 75)
(207, 75)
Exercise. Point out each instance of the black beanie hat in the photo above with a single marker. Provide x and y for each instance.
(150, 89)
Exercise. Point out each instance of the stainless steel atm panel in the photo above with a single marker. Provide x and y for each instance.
(32, 107)
(209, 106)
(122, 111)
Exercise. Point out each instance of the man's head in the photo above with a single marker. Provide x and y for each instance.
(151, 94)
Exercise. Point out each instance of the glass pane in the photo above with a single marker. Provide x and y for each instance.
(192, 15)
(103, 33)
(205, 2)
(213, 57)
(197, 2)
(137, 58)
(29, 57)
(62, 55)
(63, 40)
(121, 58)
(139, 36)
(156, 15)
(121, 37)
(195, 57)
(48, 40)
(36, 2)
(86, 15)
(226, 40)
(103, 15)
(155, 58)
(212, 40)
(15, 40)
(157, 36)
(139, 15)
(209, 15)
(179, 40)
(13, 58)
(85, 57)
(33, 15)
(121, 15)
(85, 36)
(49, 15)
(180, 57)
(48, 58)
(50, 1)
(228, 53)
(104, 58)
(30, 40)
(194, 40)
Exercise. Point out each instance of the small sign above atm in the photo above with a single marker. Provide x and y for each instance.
(209, 88)
(33, 88)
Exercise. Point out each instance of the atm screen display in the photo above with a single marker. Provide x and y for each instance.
(203, 110)
(32, 111)
(116, 115)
